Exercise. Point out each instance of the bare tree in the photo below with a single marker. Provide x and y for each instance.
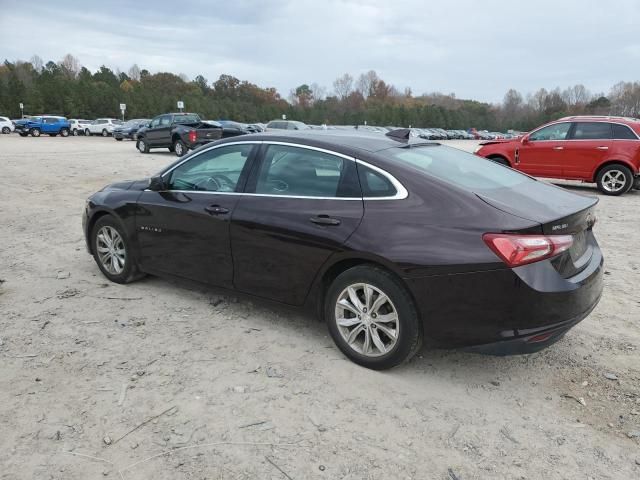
(576, 96)
(134, 72)
(37, 63)
(343, 86)
(70, 65)
(367, 82)
(317, 92)
(625, 99)
(512, 103)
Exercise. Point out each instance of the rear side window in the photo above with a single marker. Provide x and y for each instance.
(591, 131)
(300, 172)
(622, 132)
(374, 184)
(459, 168)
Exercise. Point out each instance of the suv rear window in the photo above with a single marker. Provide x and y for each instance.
(459, 168)
(622, 132)
(591, 131)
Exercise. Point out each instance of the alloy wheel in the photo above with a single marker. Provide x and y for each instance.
(111, 250)
(367, 320)
(178, 149)
(614, 181)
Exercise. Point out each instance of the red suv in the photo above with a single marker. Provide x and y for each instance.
(604, 150)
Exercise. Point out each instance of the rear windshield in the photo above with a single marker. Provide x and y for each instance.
(459, 168)
(186, 119)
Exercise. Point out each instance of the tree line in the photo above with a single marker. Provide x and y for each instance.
(67, 88)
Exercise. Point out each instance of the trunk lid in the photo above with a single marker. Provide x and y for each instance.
(558, 212)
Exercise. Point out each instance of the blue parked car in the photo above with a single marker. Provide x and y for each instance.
(51, 125)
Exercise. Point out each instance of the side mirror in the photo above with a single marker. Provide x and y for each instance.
(156, 184)
(525, 140)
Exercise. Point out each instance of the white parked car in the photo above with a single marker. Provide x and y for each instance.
(6, 125)
(78, 127)
(102, 126)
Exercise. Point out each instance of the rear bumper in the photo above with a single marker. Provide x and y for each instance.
(532, 340)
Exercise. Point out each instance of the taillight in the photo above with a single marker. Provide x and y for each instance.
(192, 136)
(516, 250)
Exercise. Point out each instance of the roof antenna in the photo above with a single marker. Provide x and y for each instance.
(400, 134)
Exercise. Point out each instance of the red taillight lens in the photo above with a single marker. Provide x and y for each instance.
(192, 136)
(516, 250)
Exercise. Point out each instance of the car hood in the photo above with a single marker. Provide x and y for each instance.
(128, 185)
(537, 201)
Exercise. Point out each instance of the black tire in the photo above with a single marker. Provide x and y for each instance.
(87, 132)
(130, 270)
(500, 160)
(105, 133)
(142, 146)
(614, 179)
(35, 132)
(180, 148)
(409, 339)
(64, 132)
(6, 130)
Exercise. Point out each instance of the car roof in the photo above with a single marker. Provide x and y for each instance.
(338, 140)
(599, 118)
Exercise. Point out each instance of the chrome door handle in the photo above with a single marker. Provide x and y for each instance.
(602, 148)
(324, 220)
(558, 148)
(216, 210)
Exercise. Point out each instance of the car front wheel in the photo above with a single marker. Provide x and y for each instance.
(372, 318)
(105, 133)
(111, 251)
(6, 130)
(87, 132)
(35, 132)
(142, 146)
(64, 132)
(614, 180)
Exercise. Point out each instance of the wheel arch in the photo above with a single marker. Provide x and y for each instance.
(97, 215)
(499, 156)
(607, 163)
(339, 264)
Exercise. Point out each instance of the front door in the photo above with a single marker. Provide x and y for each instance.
(542, 152)
(184, 230)
(302, 205)
(158, 133)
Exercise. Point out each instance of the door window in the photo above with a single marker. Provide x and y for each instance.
(591, 131)
(165, 120)
(557, 131)
(300, 172)
(374, 184)
(215, 170)
(622, 132)
(155, 122)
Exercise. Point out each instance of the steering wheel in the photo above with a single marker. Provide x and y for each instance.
(226, 182)
(209, 183)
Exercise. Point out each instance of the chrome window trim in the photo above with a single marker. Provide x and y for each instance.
(401, 191)
(585, 139)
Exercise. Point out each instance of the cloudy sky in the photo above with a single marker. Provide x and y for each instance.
(476, 49)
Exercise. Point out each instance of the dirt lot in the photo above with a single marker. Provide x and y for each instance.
(159, 380)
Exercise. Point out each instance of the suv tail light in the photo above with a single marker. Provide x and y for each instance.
(516, 250)
(192, 136)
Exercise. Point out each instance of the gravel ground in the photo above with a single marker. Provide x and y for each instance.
(166, 381)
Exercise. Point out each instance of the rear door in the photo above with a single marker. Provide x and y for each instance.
(541, 153)
(301, 205)
(184, 230)
(588, 145)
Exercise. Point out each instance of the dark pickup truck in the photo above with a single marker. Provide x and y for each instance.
(179, 132)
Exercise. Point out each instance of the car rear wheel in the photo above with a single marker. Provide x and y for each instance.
(75, 132)
(6, 130)
(372, 318)
(87, 132)
(142, 146)
(614, 180)
(111, 251)
(105, 133)
(179, 148)
(35, 132)
(64, 132)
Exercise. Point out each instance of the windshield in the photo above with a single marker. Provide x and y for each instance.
(460, 168)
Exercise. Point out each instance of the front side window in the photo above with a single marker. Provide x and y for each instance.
(622, 132)
(300, 172)
(591, 131)
(155, 122)
(165, 121)
(215, 170)
(557, 131)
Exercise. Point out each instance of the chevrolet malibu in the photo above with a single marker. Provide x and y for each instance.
(392, 240)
